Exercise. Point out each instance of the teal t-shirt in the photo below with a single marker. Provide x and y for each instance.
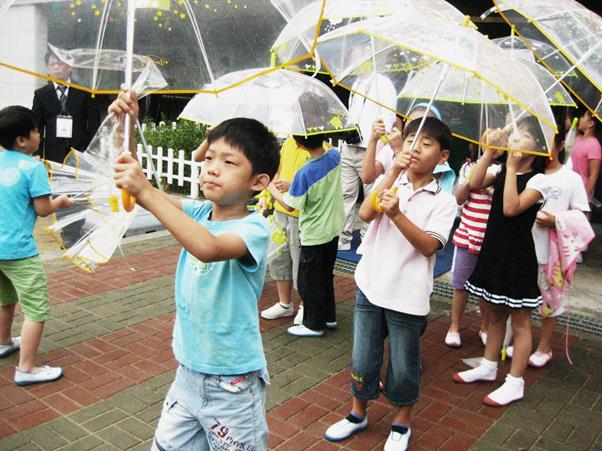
(316, 192)
(217, 323)
(22, 178)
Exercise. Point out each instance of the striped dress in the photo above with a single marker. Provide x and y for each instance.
(475, 213)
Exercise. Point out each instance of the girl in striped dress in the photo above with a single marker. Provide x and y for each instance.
(467, 240)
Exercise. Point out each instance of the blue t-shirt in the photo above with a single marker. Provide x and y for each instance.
(22, 178)
(217, 322)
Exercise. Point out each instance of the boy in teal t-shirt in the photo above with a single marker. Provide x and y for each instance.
(316, 192)
(24, 195)
(217, 400)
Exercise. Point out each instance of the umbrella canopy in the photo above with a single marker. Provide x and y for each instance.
(90, 231)
(286, 102)
(556, 93)
(310, 19)
(572, 29)
(457, 64)
(193, 42)
(105, 70)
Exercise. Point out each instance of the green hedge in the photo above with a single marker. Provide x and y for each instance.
(186, 136)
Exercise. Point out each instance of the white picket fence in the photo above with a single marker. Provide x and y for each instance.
(171, 168)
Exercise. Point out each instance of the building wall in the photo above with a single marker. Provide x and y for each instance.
(23, 36)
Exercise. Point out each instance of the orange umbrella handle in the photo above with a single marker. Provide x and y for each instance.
(127, 200)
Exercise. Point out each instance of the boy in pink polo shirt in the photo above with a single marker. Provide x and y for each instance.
(395, 280)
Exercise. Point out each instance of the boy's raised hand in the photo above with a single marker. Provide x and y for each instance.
(395, 139)
(403, 159)
(129, 176)
(125, 103)
(378, 129)
(389, 202)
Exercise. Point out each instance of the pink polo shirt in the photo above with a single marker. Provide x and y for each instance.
(392, 273)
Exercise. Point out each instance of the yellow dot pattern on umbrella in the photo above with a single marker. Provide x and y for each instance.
(175, 9)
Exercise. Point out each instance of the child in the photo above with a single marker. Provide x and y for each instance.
(217, 399)
(395, 279)
(285, 267)
(562, 190)
(505, 275)
(587, 152)
(467, 240)
(316, 192)
(24, 195)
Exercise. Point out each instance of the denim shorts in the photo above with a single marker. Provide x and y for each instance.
(207, 412)
(371, 325)
(24, 281)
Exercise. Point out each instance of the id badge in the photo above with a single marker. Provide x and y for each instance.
(64, 127)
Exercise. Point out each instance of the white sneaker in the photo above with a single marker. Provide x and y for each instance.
(486, 371)
(299, 316)
(398, 439)
(512, 390)
(344, 429)
(509, 351)
(302, 331)
(453, 340)
(6, 350)
(344, 246)
(44, 374)
(278, 310)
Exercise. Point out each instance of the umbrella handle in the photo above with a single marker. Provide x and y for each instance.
(127, 200)
(375, 201)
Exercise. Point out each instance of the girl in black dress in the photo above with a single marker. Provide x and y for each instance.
(505, 275)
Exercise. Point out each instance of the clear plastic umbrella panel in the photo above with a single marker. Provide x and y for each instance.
(307, 20)
(193, 42)
(474, 84)
(286, 102)
(555, 91)
(572, 29)
(90, 231)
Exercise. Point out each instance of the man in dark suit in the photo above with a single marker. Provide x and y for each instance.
(73, 112)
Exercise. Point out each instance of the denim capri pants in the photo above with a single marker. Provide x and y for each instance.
(371, 325)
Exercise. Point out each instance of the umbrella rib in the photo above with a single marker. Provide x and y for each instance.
(199, 38)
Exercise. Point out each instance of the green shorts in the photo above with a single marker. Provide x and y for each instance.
(24, 281)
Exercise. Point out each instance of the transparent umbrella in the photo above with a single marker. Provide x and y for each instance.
(90, 231)
(443, 62)
(555, 91)
(286, 102)
(310, 19)
(572, 29)
(193, 42)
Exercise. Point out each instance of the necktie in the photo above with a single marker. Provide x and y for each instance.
(63, 98)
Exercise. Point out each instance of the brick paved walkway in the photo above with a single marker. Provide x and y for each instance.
(112, 331)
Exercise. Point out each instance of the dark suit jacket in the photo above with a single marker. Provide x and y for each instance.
(86, 120)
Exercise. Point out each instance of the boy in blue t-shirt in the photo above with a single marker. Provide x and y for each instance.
(217, 400)
(24, 195)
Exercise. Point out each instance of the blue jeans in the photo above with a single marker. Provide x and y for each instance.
(371, 325)
(206, 412)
